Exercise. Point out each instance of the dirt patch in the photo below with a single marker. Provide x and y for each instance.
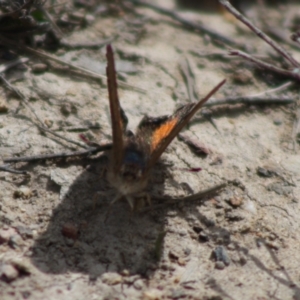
(241, 243)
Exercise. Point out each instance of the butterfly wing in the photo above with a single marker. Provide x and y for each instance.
(118, 117)
(159, 132)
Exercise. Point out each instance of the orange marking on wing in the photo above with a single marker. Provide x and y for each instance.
(162, 132)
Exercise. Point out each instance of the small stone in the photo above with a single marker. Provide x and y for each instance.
(15, 241)
(235, 201)
(8, 273)
(70, 231)
(25, 232)
(23, 266)
(173, 255)
(125, 272)
(3, 105)
(220, 254)
(273, 245)
(243, 260)
(138, 284)
(277, 122)
(48, 123)
(181, 261)
(39, 68)
(203, 237)
(68, 108)
(152, 295)
(231, 247)
(197, 228)
(23, 192)
(5, 234)
(89, 19)
(219, 265)
(235, 216)
(265, 172)
(111, 278)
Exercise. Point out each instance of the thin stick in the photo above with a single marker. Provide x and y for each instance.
(93, 44)
(33, 158)
(265, 65)
(189, 80)
(275, 90)
(6, 168)
(249, 100)
(261, 34)
(8, 42)
(195, 197)
(21, 96)
(41, 127)
(48, 16)
(10, 64)
(196, 26)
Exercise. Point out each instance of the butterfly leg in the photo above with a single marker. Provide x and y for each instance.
(131, 202)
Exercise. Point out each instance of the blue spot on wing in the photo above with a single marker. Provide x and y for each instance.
(134, 157)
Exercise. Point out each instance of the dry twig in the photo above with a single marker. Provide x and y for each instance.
(89, 151)
(196, 26)
(261, 34)
(41, 127)
(11, 64)
(43, 55)
(249, 100)
(262, 64)
(6, 168)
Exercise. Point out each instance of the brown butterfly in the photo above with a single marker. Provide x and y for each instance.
(133, 155)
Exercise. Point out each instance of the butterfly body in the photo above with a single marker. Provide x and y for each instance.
(129, 180)
(134, 155)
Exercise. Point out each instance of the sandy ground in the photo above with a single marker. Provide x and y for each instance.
(241, 243)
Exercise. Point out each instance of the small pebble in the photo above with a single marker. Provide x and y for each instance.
(235, 201)
(70, 231)
(203, 237)
(8, 273)
(273, 245)
(23, 192)
(39, 68)
(89, 19)
(173, 255)
(197, 228)
(181, 261)
(22, 265)
(138, 284)
(15, 241)
(68, 108)
(277, 122)
(3, 105)
(220, 255)
(111, 278)
(219, 265)
(5, 234)
(25, 232)
(152, 294)
(264, 172)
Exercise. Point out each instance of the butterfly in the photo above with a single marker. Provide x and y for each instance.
(132, 155)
